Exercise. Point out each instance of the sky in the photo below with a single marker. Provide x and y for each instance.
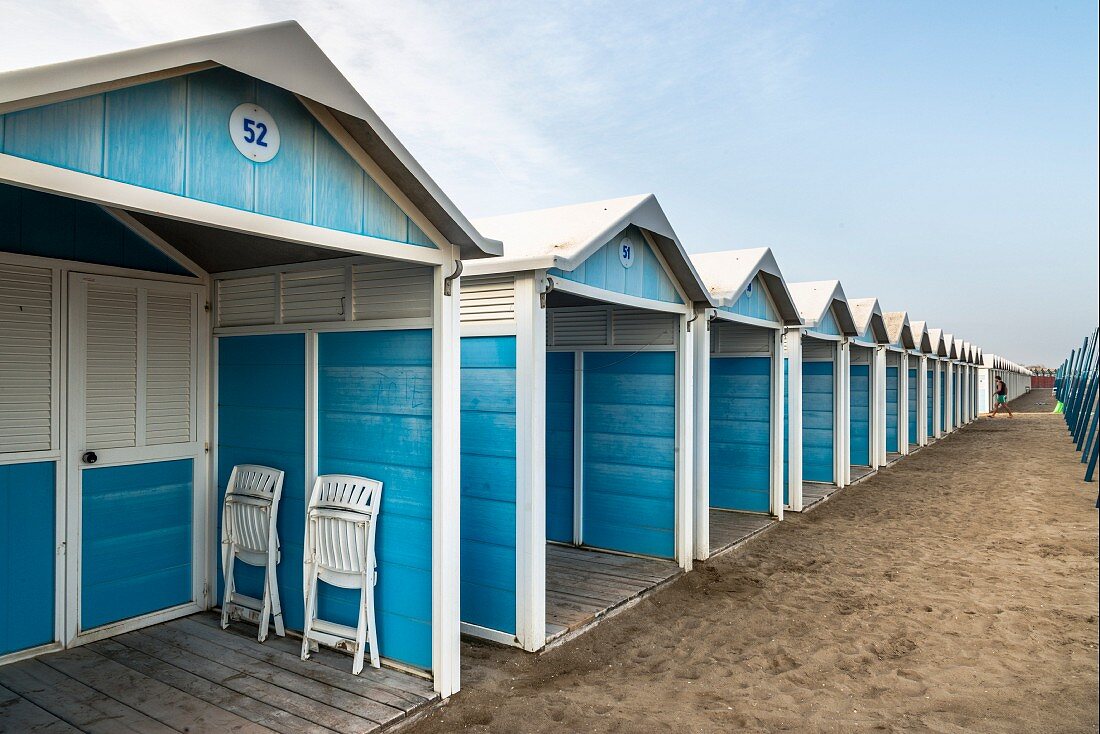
(939, 156)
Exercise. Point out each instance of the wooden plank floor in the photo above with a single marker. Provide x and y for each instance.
(861, 472)
(814, 493)
(892, 456)
(189, 675)
(584, 587)
(729, 529)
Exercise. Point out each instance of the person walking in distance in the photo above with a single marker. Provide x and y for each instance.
(1001, 398)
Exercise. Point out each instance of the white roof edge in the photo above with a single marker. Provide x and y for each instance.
(727, 273)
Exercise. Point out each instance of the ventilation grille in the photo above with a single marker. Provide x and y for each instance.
(818, 349)
(169, 368)
(733, 338)
(313, 296)
(488, 298)
(392, 291)
(578, 328)
(857, 355)
(631, 328)
(247, 301)
(26, 358)
(111, 367)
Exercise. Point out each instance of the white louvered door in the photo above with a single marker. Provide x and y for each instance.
(136, 457)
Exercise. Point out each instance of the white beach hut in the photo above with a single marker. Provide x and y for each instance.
(867, 389)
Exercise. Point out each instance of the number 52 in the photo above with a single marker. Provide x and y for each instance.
(255, 132)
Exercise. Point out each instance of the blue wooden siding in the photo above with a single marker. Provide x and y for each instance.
(559, 446)
(930, 397)
(754, 302)
(173, 136)
(912, 407)
(646, 278)
(136, 540)
(860, 415)
(27, 523)
(827, 325)
(33, 223)
(489, 482)
(786, 431)
(892, 409)
(629, 452)
(943, 403)
(261, 420)
(817, 421)
(740, 433)
(375, 420)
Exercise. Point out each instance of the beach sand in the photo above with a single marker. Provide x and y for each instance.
(954, 591)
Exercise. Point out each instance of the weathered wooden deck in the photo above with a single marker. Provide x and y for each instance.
(729, 529)
(861, 472)
(584, 587)
(814, 493)
(189, 675)
(892, 456)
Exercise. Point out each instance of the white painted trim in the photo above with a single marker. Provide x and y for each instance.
(29, 457)
(903, 403)
(127, 220)
(663, 262)
(793, 340)
(500, 328)
(842, 415)
(446, 486)
(213, 488)
(30, 652)
(749, 320)
(530, 465)
(322, 326)
(685, 442)
(492, 635)
(922, 400)
(599, 294)
(135, 623)
(775, 478)
(105, 192)
(93, 269)
(578, 447)
(701, 538)
(878, 386)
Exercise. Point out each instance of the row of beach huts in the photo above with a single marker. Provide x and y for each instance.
(213, 253)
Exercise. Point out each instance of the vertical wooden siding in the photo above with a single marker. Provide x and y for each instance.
(912, 414)
(646, 278)
(489, 482)
(892, 409)
(559, 445)
(860, 426)
(173, 136)
(817, 421)
(740, 433)
(629, 452)
(27, 521)
(754, 302)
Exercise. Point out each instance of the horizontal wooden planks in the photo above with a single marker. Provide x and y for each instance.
(730, 529)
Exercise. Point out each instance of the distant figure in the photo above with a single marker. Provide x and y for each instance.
(1001, 395)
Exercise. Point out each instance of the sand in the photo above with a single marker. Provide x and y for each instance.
(954, 591)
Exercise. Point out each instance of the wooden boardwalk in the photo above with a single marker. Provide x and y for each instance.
(729, 529)
(814, 493)
(584, 587)
(189, 675)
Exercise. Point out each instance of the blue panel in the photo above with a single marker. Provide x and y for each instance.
(173, 136)
(827, 325)
(912, 407)
(930, 398)
(136, 540)
(559, 446)
(943, 402)
(646, 278)
(860, 426)
(489, 482)
(786, 431)
(27, 522)
(375, 420)
(629, 452)
(33, 223)
(892, 409)
(817, 421)
(261, 420)
(754, 302)
(740, 433)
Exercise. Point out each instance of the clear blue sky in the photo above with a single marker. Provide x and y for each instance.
(941, 156)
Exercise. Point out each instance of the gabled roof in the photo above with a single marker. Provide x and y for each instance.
(728, 273)
(939, 346)
(869, 320)
(564, 237)
(814, 298)
(898, 329)
(921, 339)
(949, 346)
(281, 54)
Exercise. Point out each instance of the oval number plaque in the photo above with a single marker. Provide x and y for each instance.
(254, 132)
(626, 252)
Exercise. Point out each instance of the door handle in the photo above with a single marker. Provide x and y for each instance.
(89, 457)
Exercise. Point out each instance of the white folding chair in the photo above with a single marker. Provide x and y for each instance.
(249, 514)
(341, 521)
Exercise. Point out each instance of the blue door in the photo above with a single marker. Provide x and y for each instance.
(860, 426)
(817, 422)
(912, 407)
(559, 446)
(630, 452)
(892, 409)
(929, 398)
(943, 404)
(740, 433)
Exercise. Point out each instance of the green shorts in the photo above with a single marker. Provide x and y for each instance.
(1002, 399)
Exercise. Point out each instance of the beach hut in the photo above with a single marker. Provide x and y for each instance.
(817, 392)
(959, 384)
(920, 386)
(950, 380)
(936, 378)
(901, 386)
(866, 390)
(577, 417)
(213, 252)
(739, 483)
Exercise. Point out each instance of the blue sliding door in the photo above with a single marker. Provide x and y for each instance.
(818, 441)
(860, 426)
(559, 445)
(912, 398)
(740, 433)
(27, 555)
(892, 409)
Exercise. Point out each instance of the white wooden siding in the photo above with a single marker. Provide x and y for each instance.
(818, 349)
(728, 337)
(607, 326)
(27, 358)
(391, 290)
(312, 296)
(488, 299)
(633, 328)
(247, 301)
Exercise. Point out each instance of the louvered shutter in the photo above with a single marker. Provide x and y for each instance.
(111, 366)
(27, 359)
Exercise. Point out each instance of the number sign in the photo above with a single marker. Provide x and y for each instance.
(254, 132)
(626, 252)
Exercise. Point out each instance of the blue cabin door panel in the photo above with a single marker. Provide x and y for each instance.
(740, 433)
(929, 402)
(943, 404)
(860, 426)
(892, 409)
(27, 554)
(786, 431)
(560, 380)
(912, 415)
(629, 452)
(817, 422)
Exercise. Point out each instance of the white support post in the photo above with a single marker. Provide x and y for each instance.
(701, 531)
(793, 341)
(685, 444)
(776, 481)
(446, 489)
(878, 385)
(903, 403)
(530, 464)
(842, 415)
